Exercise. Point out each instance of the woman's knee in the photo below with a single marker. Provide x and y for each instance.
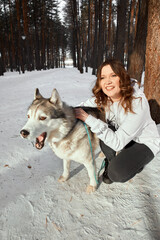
(118, 175)
(129, 162)
(121, 175)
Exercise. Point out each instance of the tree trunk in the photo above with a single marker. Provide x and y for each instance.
(109, 52)
(94, 57)
(2, 60)
(136, 20)
(43, 37)
(12, 38)
(76, 35)
(79, 55)
(100, 36)
(20, 57)
(91, 31)
(8, 43)
(137, 57)
(1, 65)
(74, 48)
(88, 39)
(36, 36)
(104, 27)
(152, 67)
(26, 40)
(121, 29)
(130, 29)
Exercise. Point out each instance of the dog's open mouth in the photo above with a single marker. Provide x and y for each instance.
(40, 141)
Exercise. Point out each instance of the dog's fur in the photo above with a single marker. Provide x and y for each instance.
(54, 121)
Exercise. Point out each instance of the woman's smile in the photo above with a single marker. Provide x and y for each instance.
(109, 88)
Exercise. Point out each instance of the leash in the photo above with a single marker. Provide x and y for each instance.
(103, 163)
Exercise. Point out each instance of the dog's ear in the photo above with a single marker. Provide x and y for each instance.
(37, 94)
(55, 98)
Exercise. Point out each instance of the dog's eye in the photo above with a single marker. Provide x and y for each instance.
(42, 118)
(28, 116)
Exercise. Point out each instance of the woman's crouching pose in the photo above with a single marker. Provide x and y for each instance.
(129, 128)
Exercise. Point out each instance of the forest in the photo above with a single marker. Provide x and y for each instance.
(35, 37)
(32, 36)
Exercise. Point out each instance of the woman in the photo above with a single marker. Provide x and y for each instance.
(129, 128)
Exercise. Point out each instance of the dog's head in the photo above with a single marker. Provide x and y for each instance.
(44, 116)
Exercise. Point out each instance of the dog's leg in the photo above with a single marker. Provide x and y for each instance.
(66, 168)
(93, 185)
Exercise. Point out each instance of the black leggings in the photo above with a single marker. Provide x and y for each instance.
(128, 162)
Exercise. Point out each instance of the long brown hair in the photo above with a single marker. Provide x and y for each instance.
(126, 87)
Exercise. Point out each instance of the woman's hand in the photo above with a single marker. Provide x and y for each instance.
(81, 114)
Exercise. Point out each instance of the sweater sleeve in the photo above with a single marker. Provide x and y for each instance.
(129, 129)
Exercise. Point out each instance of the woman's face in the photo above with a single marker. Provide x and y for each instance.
(110, 83)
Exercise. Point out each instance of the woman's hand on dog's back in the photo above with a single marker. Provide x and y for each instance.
(81, 114)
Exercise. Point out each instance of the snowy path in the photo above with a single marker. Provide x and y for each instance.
(35, 206)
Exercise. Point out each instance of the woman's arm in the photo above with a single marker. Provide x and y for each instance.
(130, 128)
(116, 140)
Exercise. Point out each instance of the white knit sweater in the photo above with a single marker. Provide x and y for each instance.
(137, 126)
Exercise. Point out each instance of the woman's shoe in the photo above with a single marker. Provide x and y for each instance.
(105, 177)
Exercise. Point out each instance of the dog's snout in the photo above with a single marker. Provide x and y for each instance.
(24, 133)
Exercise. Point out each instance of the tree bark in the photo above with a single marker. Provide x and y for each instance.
(152, 67)
(137, 57)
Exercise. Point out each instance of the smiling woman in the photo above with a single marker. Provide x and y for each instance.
(123, 87)
(128, 127)
(110, 83)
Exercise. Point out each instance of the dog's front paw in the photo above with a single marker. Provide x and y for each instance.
(90, 189)
(62, 179)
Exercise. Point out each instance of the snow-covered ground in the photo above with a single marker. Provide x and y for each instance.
(35, 206)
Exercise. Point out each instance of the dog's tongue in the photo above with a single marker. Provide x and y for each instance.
(40, 141)
(40, 138)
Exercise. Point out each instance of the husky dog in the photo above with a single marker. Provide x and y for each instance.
(53, 121)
